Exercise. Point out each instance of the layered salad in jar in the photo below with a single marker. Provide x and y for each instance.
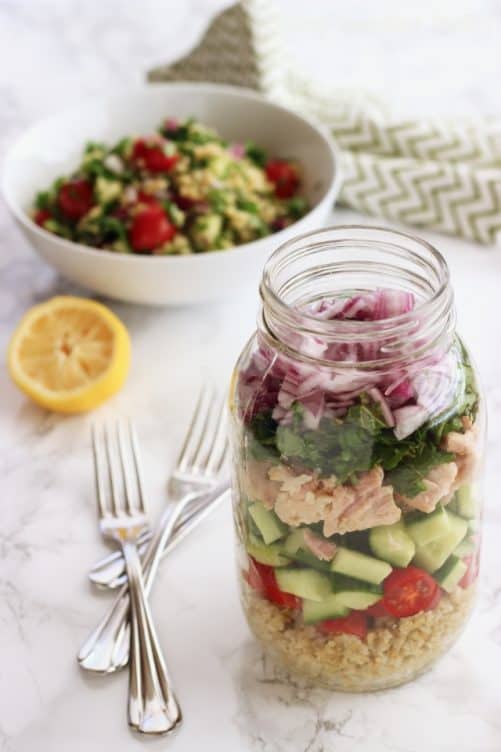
(356, 506)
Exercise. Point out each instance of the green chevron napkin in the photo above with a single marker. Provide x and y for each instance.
(434, 173)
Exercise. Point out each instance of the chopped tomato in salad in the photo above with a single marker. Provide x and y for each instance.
(353, 624)
(150, 154)
(409, 591)
(213, 195)
(284, 176)
(261, 578)
(41, 217)
(75, 198)
(150, 228)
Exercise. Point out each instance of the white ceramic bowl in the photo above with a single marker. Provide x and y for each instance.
(53, 147)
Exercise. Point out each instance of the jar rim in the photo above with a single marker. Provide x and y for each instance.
(269, 294)
(429, 324)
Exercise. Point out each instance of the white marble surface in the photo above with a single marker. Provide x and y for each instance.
(54, 52)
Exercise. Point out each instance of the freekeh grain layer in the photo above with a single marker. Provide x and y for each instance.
(395, 650)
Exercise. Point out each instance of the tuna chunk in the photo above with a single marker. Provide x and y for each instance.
(257, 484)
(364, 505)
(319, 547)
(305, 499)
(439, 484)
(465, 447)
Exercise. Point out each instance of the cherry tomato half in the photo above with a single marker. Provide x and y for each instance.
(152, 156)
(41, 216)
(377, 609)
(75, 198)
(354, 624)
(409, 591)
(150, 228)
(285, 177)
(262, 578)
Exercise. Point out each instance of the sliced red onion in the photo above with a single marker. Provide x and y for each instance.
(377, 396)
(400, 393)
(237, 150)
(171, 124)
(408, 419)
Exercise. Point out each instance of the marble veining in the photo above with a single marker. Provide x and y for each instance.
(53, 53)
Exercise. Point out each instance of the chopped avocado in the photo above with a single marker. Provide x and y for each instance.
(305, 583)
(267, 522)
(432, 555)
(466, 548)
(356, 594)
(205, 230)
(423, 528)
(450, 573)
(466, 502)
(330, 608)
(271, 555)
(107, 190)
(392, 543)
(360, 566)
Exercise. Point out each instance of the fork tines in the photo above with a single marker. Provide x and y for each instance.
(204, 449)
(117, 469)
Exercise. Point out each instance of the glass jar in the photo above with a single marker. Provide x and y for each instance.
(357, 436)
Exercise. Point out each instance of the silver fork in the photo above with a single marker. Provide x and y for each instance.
(109, 572)
(198, 467)
(152, 707)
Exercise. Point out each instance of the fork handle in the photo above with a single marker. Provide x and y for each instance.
(109, 572)
(107, 648)
(153, 708)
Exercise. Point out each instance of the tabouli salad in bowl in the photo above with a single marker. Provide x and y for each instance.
(182, 190)
(356, 499)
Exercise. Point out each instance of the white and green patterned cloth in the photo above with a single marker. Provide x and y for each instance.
(439, 174)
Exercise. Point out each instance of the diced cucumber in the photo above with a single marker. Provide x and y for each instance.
(360, 566)
(358, 600)
(392, 544)
(466, 502)
(466, 548)
(305, 583)
(294, 541)
(424, 528)
(432, 555)
(271, 555)
(354, 593)
(107, 190)
(330, 608)
(473, 526)
(306, 557)
(267, 522)
(450, 573)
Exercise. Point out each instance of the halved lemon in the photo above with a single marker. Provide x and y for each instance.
(69, 354)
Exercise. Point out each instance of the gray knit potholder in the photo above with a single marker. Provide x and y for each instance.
(424, 172)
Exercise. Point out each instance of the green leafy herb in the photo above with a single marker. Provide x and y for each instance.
(297, 206)
(408, 478)
(255, 153)
(43, 200)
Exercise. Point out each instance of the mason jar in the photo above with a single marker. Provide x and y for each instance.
(357, 439)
